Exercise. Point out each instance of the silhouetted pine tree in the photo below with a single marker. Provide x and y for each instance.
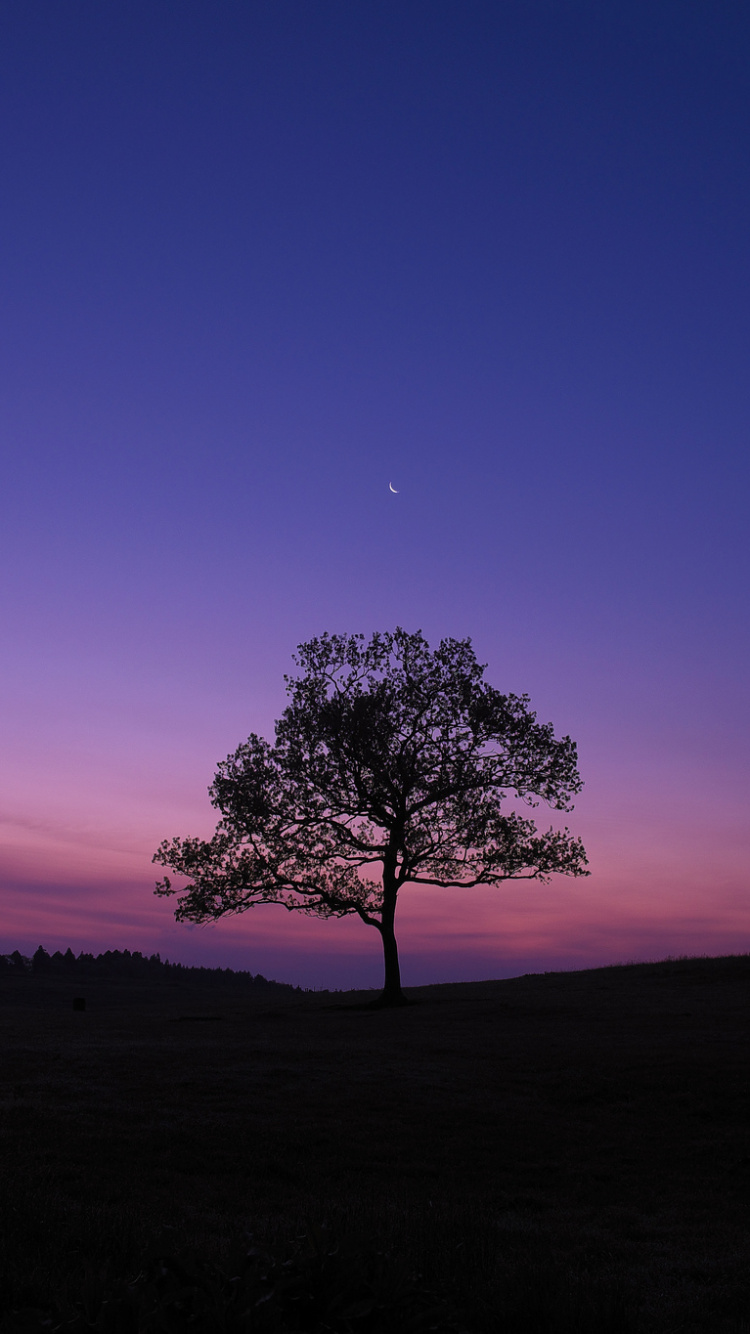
(41, 962)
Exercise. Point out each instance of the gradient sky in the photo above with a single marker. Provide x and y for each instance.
(258, 260)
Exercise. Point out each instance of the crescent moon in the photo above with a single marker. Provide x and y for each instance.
(392, 488)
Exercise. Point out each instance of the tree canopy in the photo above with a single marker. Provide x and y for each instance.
(393, 764)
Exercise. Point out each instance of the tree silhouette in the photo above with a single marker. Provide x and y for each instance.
(392, 756)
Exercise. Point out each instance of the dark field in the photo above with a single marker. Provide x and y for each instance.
(557, 1153)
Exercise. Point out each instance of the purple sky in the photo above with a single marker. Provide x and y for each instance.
(258, 260)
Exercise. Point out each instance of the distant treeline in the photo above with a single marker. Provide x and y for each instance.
(124, 964)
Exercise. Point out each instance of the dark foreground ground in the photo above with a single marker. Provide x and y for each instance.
(557, 1154)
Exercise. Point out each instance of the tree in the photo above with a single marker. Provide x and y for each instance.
(41, 961)
(390, 756)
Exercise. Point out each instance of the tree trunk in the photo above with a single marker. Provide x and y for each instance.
(391, 993)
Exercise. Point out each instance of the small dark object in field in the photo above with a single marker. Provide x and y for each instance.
(79, 1002)
(199, 1018)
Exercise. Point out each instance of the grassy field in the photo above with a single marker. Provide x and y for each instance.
(557, 1154)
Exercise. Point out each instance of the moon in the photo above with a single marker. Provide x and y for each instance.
(392, 488)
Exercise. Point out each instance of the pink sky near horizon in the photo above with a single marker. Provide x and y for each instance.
(658, 886)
